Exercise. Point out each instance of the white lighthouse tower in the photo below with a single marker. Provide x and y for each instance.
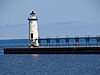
(33, 30)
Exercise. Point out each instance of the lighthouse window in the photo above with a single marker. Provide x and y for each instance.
(31, 35)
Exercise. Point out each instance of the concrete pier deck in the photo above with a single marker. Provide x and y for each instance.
(54, 50)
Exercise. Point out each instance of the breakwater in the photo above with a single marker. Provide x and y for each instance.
(79, 45)
(53, 50)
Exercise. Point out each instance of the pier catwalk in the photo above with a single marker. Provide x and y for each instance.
(54, 50)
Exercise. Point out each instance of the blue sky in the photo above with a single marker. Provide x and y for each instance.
(56, 17)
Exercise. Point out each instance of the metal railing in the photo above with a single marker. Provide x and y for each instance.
(70, 41)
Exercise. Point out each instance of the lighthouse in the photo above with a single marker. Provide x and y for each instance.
(33, 30)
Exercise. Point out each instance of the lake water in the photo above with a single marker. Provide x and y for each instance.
(46, 64)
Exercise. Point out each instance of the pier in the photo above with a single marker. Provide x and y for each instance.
(69, 47)
(53, 50)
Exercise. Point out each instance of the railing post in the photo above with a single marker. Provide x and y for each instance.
(99, 40)
(57, 41)
(87, 40)
(76, 40)
(48, 41)
(39, 41)
(67, 41)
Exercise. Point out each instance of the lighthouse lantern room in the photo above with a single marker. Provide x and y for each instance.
(33, 30)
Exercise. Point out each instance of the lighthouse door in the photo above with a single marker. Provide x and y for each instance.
(31, 35)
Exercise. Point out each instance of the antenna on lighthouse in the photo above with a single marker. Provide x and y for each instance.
(33, 30)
